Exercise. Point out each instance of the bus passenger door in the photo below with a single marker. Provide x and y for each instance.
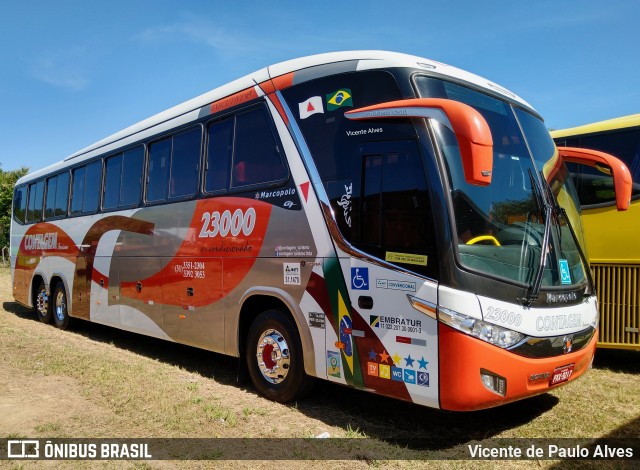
(392, 221)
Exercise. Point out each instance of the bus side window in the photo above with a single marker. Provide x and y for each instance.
(173, 166)
(594, 186)
(20, 204)
(85, 195)
(392, 217)
(50, 202)
(62, 195)
(57, 196)
(219, 152)
(256, 157)
(77, 193)
(132, 167)
(93, 176)
(158, 173)
(112, 181)
(123, 179)
(36, 196)
(185, 162)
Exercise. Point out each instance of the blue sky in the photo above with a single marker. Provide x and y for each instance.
(73, 72)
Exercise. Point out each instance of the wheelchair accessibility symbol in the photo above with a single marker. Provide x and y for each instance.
(360, 278)
(565, 273)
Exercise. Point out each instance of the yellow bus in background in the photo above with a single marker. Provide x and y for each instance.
(612, 237)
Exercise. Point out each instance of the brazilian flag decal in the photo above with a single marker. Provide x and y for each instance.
(339, 98)
(341, 307)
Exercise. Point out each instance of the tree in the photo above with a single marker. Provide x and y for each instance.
(7, 182)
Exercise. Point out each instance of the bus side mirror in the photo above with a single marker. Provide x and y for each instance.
(621, 175)
(468, 125)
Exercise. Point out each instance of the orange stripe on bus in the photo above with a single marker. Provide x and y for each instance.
(283, 81)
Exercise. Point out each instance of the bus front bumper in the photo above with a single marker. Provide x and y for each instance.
(475, 375)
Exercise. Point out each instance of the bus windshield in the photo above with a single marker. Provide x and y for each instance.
(504, 228)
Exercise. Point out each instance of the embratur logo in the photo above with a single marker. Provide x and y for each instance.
(374, 321)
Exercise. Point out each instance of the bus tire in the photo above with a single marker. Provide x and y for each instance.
(275, 359)
(60, 307)
(42, 303)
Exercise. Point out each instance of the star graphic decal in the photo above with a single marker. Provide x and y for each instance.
(396, 359)
(422, 363)
(409, 361)
(384, 357)
(372, 355)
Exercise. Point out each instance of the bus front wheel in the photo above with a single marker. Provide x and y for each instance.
(274, 358)
(60, 310)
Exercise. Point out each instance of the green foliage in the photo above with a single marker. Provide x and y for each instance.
(7, 182)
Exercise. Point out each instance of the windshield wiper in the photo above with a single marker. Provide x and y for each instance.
(552, 210)
(543, 204)
(534, 291)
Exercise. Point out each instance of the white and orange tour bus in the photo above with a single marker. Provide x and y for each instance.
(373, 219)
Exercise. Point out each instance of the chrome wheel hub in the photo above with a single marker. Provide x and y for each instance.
(273, 358)
(42, 302)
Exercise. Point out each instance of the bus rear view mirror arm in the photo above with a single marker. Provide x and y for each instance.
(621, 176)
(468, 125)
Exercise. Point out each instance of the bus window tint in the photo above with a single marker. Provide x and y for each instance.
(391, 207)
(20, 204)
(62, 195)
(78, 190)
(50, 201)
(113, 172)
(624, 144)
(185, 161)
(157, 181)
(34, 210)
(91, 198)
(219, 155)
(123, 179)
(131, 177)
(256, 158)
(57, 195)
(86, 188)
(595, 185)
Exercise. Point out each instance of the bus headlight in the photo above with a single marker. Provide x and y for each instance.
(494, 334)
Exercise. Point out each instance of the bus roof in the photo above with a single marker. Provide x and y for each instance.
(303, 69)
(623, 122)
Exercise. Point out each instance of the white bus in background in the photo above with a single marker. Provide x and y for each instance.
(370, 218)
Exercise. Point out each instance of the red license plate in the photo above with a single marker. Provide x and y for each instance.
(561, 374)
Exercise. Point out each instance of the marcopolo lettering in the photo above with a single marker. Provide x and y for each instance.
(278, 193)
(557, 322)
(41, 241)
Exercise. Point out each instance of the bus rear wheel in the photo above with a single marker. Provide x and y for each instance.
(60, 307)
(43, 304)
(275, 359)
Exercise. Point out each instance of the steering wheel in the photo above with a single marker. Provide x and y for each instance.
(482, 238)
